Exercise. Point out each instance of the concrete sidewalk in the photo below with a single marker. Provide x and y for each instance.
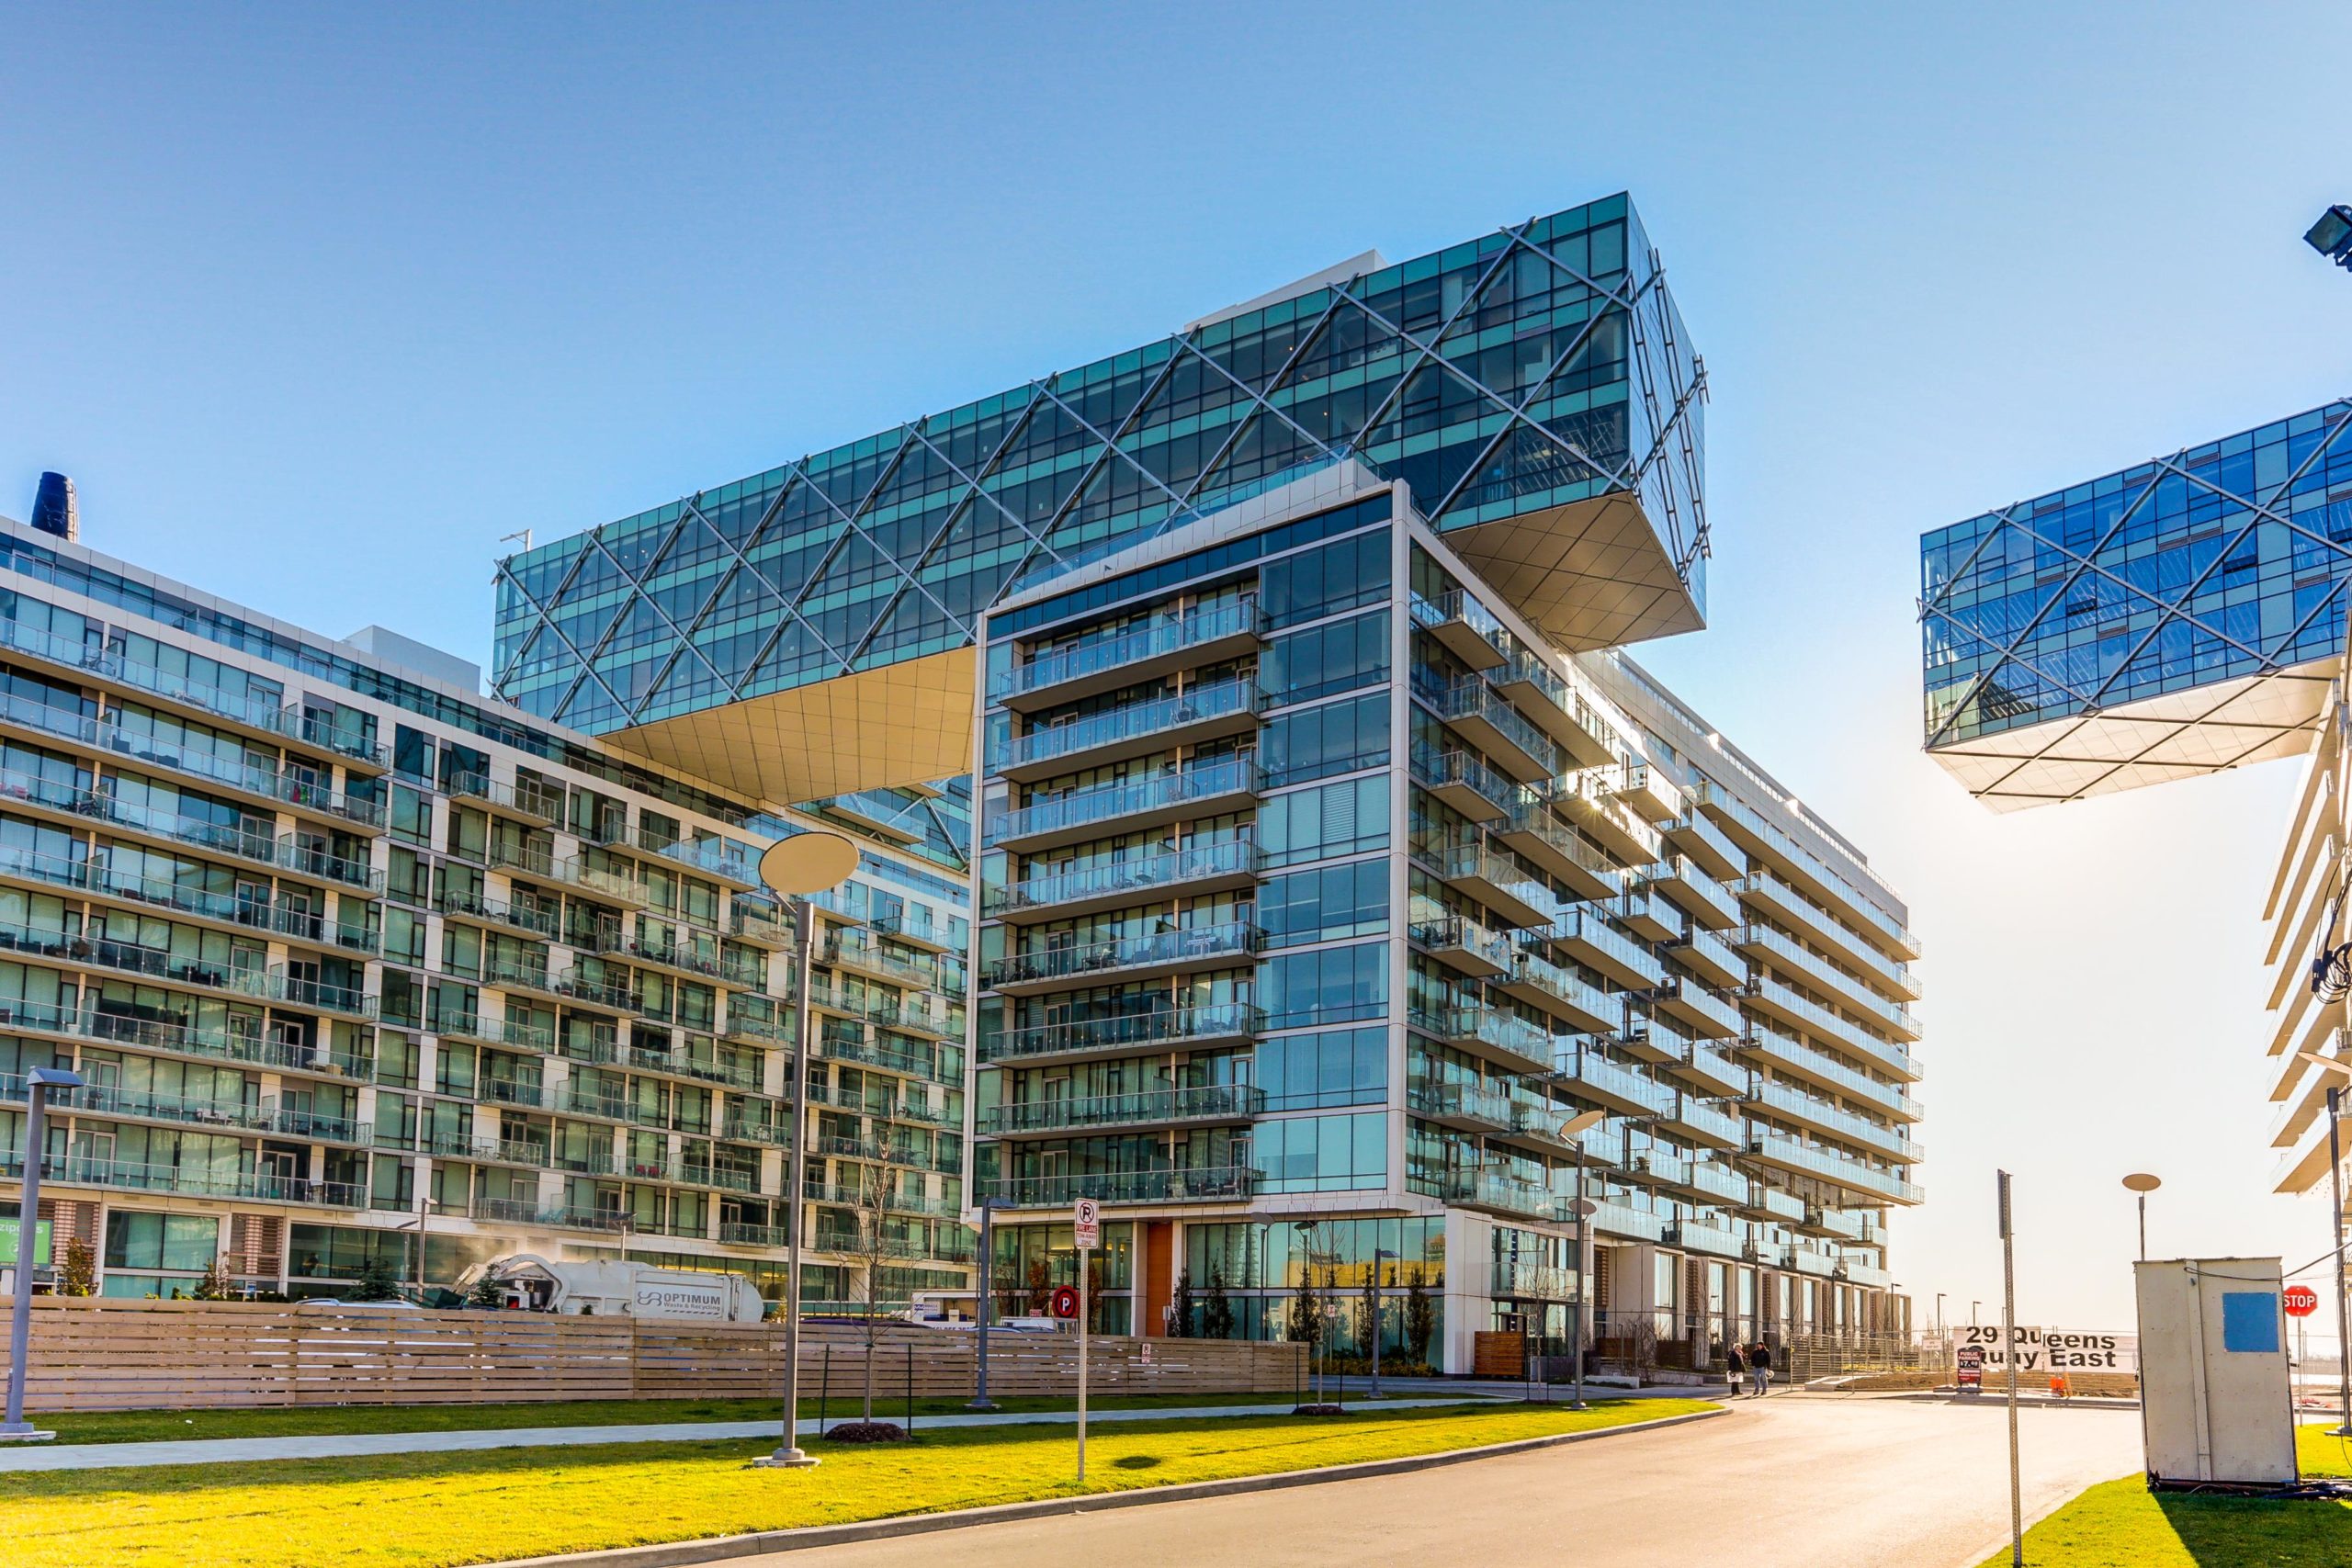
(16, 1458)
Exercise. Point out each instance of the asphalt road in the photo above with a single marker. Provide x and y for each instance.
(1793, 1481)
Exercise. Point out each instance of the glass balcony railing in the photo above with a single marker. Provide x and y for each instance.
(202, 1182)
(1534, 830)
(1490, 1190)
(1629, 959)
(1476, 1026)
(1138, 721)
(1782, 952)
(255, 709)
(537, 803)
(1471, 702)
(1856, 1174)
(541, 924)
(1823, 1117)
(1818, 1021)
(1142, 876)
(1162, 1028)
(1189, 946)
(1212, 1184)
(1791, 1053)
(1854, 904)
(1159, 636)
(1614, 1082)
(1462, 782)
(1442, 932)
(1237, 774)
(1197, 1102)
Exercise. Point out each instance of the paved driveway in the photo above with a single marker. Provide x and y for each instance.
(1794, 1481)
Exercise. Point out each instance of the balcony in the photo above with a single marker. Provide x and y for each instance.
(1619, 1220)
(1462, 944)
(1213, 712)
(709, 965)
(1594, 943)
(1648, 790)
(1534, 832)
(1196, 1104)
(540, 865)
(1484, 717)
(201, 1181)
(1491, 1192)
(1461, 783)
(1713, 1072)
(1704, 1014)
(277, 985)
(1127, 958)
(307, 859)
(1614, 1087)
(1463, 627)
(1128, 1034)
(1566, 709)
(1701, 1123)
(474, 910)
(1779, 1000)
(1794, 1058)
(1505, 1039)
(717, 859)
(758, 925)
(1589, 801)
(1210, 1184)
(1693, 1236)
(1206, 789)
(155, 1031)
(1193, 870)
(1499, 883)
(293, 788)
(1856, 1175)
(489, 1149)
(1709, 957)
(253, 710)
(1644, 914)
(539, 806)
(1847, 897)
(1709, 848)
(1466, 1107)
(1781, 953)
(1707, 901)
(1561, 996)
(1820, 1116)
(1206, 634)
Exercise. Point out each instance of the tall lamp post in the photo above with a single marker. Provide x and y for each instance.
(2335, 1232)
(980, 1400)
(793, 868)
(37, 1082)
(2140, 1184)
(1573, 1131)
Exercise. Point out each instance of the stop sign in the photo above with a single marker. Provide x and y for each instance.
(2301, 1301)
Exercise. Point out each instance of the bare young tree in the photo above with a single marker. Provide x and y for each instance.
(875, 1246)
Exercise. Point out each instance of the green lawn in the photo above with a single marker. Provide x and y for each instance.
(179, 1426)
(440, 1510)
(2120, 1524)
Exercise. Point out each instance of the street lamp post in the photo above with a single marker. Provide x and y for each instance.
(2141, 1183)
(980, 1400)
(37, 1082)
(793, 868)
(1378, 1253)
(1573, 1131)
(2335, 1233)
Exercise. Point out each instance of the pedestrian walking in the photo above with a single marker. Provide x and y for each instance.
(1759, 1366)
(1733, 1367)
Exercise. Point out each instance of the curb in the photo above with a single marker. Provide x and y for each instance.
(718, 1549)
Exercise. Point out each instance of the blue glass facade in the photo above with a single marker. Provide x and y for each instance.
(2223, 560)
(1541, 366)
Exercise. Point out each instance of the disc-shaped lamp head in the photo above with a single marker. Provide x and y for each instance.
(808, 863)
(2140, 1181)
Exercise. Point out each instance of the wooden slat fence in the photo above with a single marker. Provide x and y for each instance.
(97, 1354)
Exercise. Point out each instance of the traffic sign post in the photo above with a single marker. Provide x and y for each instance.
(2300, 1301)
(1086, 1222)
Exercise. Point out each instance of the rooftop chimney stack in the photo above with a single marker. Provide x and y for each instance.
(55, 510)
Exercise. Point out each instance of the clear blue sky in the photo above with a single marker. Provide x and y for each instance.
(317, 303)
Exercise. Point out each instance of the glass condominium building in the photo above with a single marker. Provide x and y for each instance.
(1318, 893)
(2174, 619)
(358, 965)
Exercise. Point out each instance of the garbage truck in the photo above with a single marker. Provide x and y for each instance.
(527, 1282)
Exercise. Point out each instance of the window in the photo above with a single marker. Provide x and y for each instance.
(1320, 824)
(1325, 581)
(1339, 1067)
(1324, 661)
(1323, 1154)
(182, 1242)
(1335, 984)
(1326, 904)
(1337, 737)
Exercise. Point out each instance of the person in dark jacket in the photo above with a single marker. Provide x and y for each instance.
(1759, 1366)
(1733, 1367)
